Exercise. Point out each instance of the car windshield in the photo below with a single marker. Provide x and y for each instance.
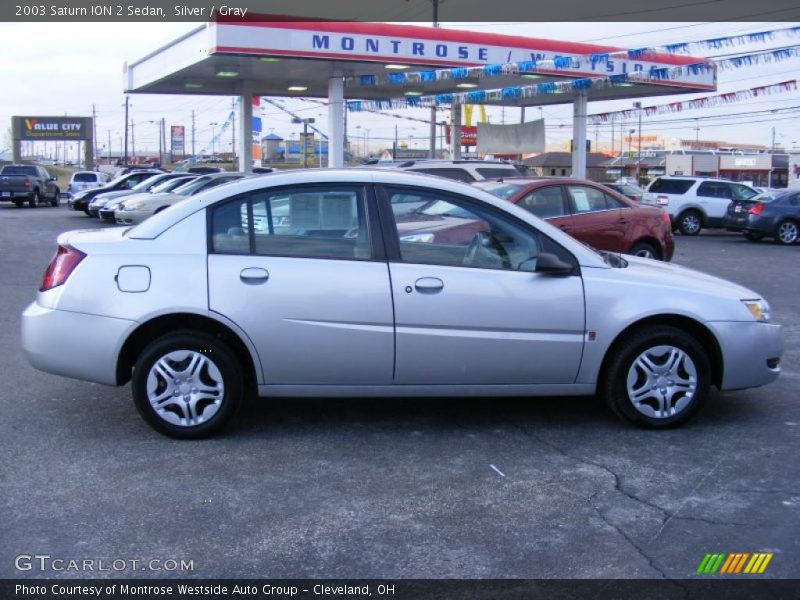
(170, 184)
(500, 189)
(627, 189)
(146, 184)
(187, 189)
(768, 196)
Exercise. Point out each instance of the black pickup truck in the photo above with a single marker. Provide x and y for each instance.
(21, 183)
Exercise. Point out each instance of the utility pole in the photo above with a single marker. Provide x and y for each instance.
(125, 152)
(160, 151)
(94, 137)
(639, 141)
(394, 146)
(771, 158)
(109, 147)
(613, 141)
(233, 130)
(163, 138)
(192, 133)
(133, 142)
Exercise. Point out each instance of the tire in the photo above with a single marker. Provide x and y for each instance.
(690, 222)
(33, 201)
(56, 198)
(165, 385)
(752, 236)
(86, 210)
(645, 250)
(787, 232)
(635, 370)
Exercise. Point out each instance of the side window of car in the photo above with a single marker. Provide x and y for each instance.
(453, 231)
(612, 202)
(311, 222)
(545, 202)
(586, 199)
(714, 189)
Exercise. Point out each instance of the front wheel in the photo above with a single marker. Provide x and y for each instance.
(787, 232)
(645, 250)
(657, 377)
(187, 385)
(690, 222)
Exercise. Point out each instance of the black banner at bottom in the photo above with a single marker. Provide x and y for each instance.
(399, 589)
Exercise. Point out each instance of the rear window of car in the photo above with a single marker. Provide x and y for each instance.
(671, 186)
(495, 172)
(19, 171)
(85, 178)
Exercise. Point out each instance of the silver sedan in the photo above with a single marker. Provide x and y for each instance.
(322, 283)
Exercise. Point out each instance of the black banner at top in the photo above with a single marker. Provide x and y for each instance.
(410, 11)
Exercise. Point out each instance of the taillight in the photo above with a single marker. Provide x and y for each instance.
(26, 183)
(61, 267)
(662, 200)
(756, 210)
(665, 218)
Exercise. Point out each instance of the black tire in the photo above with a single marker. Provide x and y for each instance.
(646, 250)
(681, 405)
(160, 208)
(185, 346)
(33, 201)
(752, 236)
(86, 210)
(787, 232)
(18, 203)
(690, 222)
(56, 198)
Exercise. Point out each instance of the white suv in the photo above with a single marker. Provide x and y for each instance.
(695, 202)
(462, 170)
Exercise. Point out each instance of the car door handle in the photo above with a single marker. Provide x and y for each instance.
(623, 221)
(254, 275)
(429, 285)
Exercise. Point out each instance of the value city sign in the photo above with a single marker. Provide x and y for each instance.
(51, 128)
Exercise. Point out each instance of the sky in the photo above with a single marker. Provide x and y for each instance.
(69, 73)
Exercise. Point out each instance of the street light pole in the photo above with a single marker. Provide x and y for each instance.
(212, 138)
(638, 105)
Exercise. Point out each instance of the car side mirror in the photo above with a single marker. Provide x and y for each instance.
(552, 264)
(53, 178)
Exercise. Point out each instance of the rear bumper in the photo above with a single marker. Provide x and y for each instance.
(751, 353)
(735, 222)
(16, 195)
(71, 344)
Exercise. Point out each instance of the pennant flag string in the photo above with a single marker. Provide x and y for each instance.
(704, 102)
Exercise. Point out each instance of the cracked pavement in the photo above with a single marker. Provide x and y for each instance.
(383, 488)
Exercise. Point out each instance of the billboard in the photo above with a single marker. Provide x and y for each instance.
(469, 134)
(177, 140)
(51, 128)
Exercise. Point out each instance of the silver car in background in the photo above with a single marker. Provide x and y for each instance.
(307, 283)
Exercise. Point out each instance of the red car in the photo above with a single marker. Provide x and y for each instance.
(591, 213)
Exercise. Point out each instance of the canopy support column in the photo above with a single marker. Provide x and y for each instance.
(336, 110)
(245, 125)
(455, 131)
(579, 110)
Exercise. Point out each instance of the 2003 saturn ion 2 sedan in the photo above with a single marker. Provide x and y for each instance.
(302, 284)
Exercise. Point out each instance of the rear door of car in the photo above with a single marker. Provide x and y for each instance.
(714, 197)
(471, 309)
(302, 270)
(597, 218)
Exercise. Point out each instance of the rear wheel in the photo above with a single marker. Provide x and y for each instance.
(187, 385)
(752, 236)
(56, 198)
(690, 222)
(33, 201)
(645, 250)
(787, 232)
(657, 378)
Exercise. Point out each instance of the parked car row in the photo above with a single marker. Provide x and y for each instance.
(379, 282)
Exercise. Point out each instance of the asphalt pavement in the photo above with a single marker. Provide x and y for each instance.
(420, 488)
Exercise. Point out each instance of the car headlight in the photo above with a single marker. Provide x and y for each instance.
(137, 206)
(417, 237)
(758, 308)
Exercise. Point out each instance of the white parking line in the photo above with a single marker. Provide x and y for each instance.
(498, 471)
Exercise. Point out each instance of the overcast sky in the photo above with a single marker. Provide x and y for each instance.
(50, 69)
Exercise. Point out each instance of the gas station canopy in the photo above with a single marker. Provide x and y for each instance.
(278, 56)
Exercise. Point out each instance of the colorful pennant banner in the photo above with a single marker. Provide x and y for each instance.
(704, 102)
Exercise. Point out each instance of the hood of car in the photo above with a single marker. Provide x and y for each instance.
(155, 199)
(672, 276)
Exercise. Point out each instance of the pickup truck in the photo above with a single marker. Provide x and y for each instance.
(20, 183)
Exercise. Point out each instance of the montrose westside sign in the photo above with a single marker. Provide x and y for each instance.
(52, 128)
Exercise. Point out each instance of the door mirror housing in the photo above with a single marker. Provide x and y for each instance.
(552, 264)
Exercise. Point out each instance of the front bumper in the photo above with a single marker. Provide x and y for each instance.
(106, 215)
(76, 345)
(751, 353)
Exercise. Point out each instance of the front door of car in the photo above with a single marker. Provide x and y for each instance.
(297, 269)
(469, 307)
(597, 219)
